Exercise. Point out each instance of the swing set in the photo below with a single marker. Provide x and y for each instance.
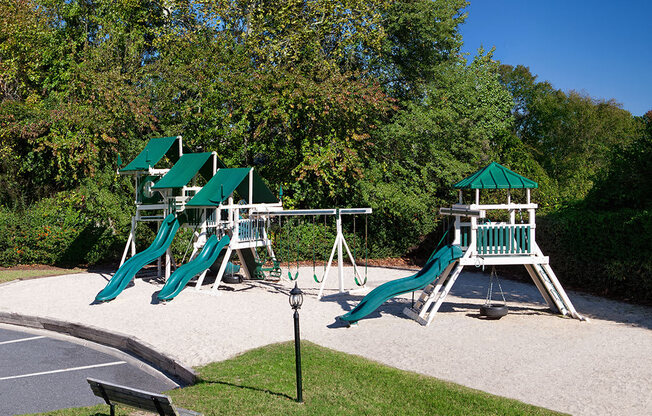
(340, 244)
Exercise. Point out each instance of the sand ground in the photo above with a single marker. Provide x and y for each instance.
(601, 367)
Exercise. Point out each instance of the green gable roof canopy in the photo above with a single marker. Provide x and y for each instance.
(225, 181)
(151, 154)
(495, 176)
(261, 195)
(186, 168)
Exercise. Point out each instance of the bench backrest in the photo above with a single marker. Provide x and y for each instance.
(140, 399)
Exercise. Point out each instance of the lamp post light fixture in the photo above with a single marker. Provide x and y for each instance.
(296, 299)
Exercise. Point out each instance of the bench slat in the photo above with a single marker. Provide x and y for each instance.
(139, 399)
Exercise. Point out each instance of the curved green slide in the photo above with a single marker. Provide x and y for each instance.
(123, 276)
(433, 268)
(203, 261)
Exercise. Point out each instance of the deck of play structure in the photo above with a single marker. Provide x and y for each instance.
(230, 209)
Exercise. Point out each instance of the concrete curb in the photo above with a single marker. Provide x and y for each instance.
(117, 340)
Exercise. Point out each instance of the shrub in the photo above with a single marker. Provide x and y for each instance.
(84, 226)
(605, 252)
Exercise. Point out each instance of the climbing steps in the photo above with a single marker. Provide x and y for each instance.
(424, 309)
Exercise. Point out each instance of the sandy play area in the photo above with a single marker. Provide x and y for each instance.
(601, 367)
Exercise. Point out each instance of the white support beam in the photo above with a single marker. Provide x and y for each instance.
(540, 286)
(505, 260)
(220, 273)
(444, 292)
(251, 186)
(502, 206)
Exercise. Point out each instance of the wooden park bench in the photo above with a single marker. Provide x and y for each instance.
(140, 399)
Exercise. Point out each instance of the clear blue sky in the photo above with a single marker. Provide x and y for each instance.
(602, 48)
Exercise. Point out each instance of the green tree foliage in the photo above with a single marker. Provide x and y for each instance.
(626, 183)
(420, 35)
(459, 126)
(570, 134)
(72, 91)
(356, 102)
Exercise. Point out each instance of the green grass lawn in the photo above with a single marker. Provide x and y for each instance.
(8, 275)
(262, 381)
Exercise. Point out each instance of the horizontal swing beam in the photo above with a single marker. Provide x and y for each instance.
(297, 212)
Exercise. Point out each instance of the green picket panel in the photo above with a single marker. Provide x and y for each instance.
(518, 240)
(490, 241)
(479, 240)
(510, 236)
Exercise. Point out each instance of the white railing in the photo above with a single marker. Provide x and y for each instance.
(251, 229)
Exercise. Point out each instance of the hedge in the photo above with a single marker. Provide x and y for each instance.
(603, 252)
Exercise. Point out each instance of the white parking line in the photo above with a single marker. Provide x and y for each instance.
(20, 340)
(63, 370)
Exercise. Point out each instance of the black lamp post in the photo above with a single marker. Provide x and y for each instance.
(296, 299)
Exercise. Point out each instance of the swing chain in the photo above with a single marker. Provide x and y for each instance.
(321, 241)
(493, 276)
(313, 230)
(356, 275)
(296, 258)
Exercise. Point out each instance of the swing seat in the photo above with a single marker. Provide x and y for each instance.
(274, 271)
(491, 311)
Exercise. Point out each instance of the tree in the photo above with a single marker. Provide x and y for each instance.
(569, 134)
(461, 124)
(76, 99)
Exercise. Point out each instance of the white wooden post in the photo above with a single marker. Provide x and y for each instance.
(168, 263)
(474, 233)
(328, 268)
(158, 261)
(130, 242)
(340, 259)
(236, 226)
(220, 273)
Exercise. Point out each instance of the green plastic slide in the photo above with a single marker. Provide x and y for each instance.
(433, 268)
(126, 273)
(203, 261)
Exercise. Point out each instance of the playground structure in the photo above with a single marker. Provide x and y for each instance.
(199, 192)
(228, 209)
(217, 212)
(477, 242)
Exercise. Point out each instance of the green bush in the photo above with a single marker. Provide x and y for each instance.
(604, 252)
(84, 226)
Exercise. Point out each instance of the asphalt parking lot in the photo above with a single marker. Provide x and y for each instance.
(40, 372)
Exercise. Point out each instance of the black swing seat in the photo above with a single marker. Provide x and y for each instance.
(491, 311)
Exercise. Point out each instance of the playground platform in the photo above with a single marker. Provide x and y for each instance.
(601, 367)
